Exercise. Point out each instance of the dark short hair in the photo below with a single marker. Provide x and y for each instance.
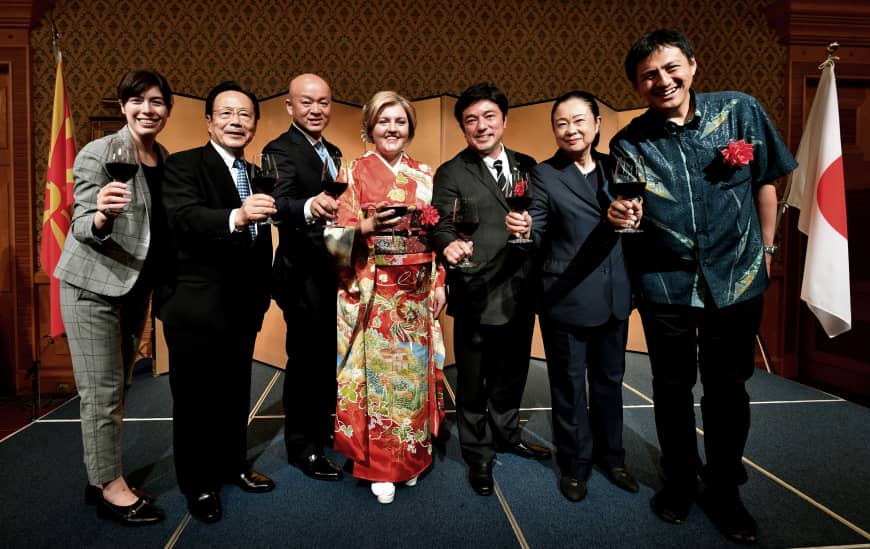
(480, 92)
(650, 42)
(584, 96)
(230, 85)
(135, 83)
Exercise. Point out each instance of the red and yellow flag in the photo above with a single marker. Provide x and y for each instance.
(58, 193)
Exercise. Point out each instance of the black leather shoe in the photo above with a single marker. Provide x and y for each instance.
(622, 478)
(671, 506)
(480, 477)
(253, 481)
(205, 507)
(94, 494)
(320, 467)
(140, 513)
(730, 517)
(572, 488)
(529, 451)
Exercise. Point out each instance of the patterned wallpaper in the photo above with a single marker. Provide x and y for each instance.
(534, 50)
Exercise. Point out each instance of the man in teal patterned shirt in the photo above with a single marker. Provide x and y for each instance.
(700, 267)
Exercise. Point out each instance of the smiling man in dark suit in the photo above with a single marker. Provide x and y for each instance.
(305, 281)
(216, 300)
(490, 303)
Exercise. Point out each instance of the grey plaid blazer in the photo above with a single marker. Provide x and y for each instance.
(112, 265)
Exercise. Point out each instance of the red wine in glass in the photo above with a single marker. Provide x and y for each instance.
(629, 180)
(334, 188)
(399, 210)
(121, 171)
(519, 203)
(629, 189)
(466, 228)
(519, 198)
(465, 222)
(263, 184)
(264, 178)
(120, 163)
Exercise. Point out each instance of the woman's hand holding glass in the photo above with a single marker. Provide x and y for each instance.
(381, 217)
(121, 165)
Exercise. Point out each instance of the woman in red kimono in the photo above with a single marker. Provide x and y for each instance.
(391, 291)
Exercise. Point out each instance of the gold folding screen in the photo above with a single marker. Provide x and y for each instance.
(438, 138)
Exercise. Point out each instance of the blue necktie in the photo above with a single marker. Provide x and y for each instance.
(244, 188)
(324, 157)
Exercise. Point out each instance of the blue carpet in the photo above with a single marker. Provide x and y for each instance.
(820, 448)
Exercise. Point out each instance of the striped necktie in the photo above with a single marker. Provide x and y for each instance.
(244, 188)
(324, 157)
(499, 176)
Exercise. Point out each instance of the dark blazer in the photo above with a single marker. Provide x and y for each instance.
(583, 275)
(490, 291)
(304, 272)
(220, 278)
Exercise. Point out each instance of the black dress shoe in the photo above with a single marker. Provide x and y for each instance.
(730, 516)
(140, 513)
(622, 478)
(671, 506)
(572, 488)
(94, 494)
(205, 507)
(480, 477)
(528, 450)
(320, 467)
(253, 481)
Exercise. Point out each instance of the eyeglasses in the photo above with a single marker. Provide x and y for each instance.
(226, 113)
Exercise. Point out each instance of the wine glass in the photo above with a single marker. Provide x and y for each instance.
(465, 220)
(629, 180)
(518, 194)
(120, 163)
(334, 186)
(264, 178)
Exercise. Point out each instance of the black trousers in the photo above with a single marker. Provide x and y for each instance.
(492, 364)
(720, 343)
(309, 380)
(586, 431)
(210, 379)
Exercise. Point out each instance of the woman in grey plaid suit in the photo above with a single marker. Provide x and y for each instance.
(110, 263)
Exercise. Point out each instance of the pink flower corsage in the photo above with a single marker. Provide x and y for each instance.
(429, 215)
(520, 188)
(737, 154)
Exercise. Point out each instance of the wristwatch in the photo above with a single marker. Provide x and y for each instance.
(770, 249)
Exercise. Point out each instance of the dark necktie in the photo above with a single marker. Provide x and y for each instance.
(244, 188)
(499, 176)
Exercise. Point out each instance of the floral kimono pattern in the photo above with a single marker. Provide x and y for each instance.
(390, 349)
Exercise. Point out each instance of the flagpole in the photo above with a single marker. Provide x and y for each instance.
(37, 347)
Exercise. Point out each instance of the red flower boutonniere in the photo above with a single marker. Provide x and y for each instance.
(737, 154)
(429, 215)
(520, 188)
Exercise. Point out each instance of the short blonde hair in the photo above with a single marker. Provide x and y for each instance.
(379, 101)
